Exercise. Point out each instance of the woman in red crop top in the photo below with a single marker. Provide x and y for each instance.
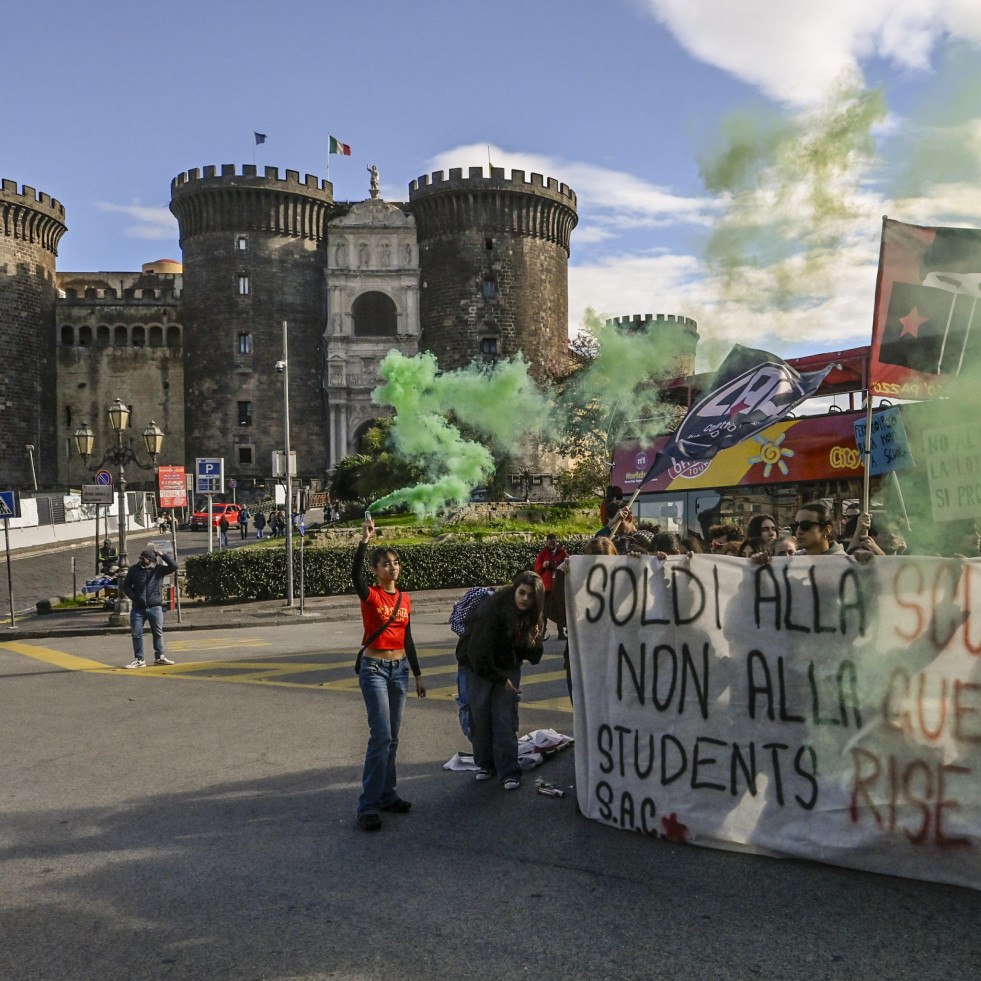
(384, 676)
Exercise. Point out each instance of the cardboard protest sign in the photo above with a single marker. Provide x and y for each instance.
(813, 707)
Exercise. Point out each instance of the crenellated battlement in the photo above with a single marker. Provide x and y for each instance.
(539, 208)
(30, 198)
(110, 297)
(250, 176)
(31, 216)
(639, 322)
(440, 182)
(225, 200)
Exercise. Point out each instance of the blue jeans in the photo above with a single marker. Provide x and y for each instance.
(494, 723)
(383, 686)
(137, 618)
(463, 701)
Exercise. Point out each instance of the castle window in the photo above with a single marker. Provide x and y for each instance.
(68, 336)
(245, 413)
(139, 337)
(489, 244)
(156, 336)
(490, 288)
(245, 343)
(374, 315)
(488, 345)
(243, 285)
(102, 335)
(173, 336)
(241, 243)
(244, 456)
(84, 336)
(120, 337)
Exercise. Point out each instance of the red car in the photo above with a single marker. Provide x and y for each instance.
(199, 520)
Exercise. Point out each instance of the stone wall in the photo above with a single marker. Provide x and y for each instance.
(31, 225)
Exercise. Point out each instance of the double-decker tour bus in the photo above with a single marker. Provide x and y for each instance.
(789, 463)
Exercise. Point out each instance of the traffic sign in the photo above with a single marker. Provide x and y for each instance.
(210, 474)
(104, 477)
(233, 483)
(96, 494)
(9, 504)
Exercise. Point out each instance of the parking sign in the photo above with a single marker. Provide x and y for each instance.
(210, 474)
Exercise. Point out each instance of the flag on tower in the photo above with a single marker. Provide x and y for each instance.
(259, 137)
(337, 147)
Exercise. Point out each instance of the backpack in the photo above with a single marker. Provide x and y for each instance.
(464, 608)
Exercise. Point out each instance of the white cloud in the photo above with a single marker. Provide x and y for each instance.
(604, 195)
(792, 50)
(153, 222)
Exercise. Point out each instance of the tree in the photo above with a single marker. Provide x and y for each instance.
(375, 471)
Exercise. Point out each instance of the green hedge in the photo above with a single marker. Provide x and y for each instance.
(260, 573)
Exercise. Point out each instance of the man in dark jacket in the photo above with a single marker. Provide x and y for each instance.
(143, 586)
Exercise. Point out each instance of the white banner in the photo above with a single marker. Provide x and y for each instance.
(814, 708)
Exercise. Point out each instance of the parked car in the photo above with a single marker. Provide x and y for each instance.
(199, 520)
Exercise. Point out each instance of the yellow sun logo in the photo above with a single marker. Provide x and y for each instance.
(771, 454)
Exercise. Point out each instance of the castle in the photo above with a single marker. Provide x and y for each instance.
(472, 266)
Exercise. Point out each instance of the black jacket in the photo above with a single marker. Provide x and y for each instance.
(488, 648)
(143, 585)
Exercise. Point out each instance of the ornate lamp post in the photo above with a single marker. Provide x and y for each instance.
(119, 455)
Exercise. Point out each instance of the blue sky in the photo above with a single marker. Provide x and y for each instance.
(629, 102)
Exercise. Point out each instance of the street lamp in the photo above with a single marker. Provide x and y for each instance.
(119, 455)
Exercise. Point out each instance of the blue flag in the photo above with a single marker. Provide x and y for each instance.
(751, 390)
(259, 137)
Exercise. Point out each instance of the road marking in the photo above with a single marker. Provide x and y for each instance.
(277, 673)
(68, 662)
(217, 644)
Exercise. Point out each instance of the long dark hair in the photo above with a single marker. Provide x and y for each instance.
(520, 623)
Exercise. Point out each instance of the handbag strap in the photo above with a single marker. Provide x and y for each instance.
(381, 630)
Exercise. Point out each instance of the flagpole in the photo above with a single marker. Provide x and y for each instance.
(873, 356)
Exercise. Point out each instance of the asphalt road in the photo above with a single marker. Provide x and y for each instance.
(198, 822)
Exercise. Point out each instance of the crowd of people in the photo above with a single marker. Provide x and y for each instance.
(499, 629)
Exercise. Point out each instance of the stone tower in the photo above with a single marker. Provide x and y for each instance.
(675, 336)
(254, 256)
(31, 226)
(494, 267)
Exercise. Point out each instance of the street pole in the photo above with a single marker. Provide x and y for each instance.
(10, 581)
(289, 478)
(121, 609)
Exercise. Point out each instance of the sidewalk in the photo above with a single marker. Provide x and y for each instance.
(87, 621)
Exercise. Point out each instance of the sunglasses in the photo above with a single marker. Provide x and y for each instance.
(804, 525)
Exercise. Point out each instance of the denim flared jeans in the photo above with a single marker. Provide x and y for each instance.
(383, 686)
(494, 723)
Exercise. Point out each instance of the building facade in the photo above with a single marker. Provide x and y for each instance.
(469, 268)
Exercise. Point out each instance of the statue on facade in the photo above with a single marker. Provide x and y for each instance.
(373, 170)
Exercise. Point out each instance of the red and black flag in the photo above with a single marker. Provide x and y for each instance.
(927, 313)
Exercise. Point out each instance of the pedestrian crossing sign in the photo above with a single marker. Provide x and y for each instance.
(9, 504)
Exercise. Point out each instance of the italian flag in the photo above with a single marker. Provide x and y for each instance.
(337, 147)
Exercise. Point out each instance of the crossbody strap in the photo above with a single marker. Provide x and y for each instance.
(377, 634)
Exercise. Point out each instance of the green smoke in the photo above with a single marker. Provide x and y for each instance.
(500, 402)
(942, 143)
(789, 188)
(615, 395)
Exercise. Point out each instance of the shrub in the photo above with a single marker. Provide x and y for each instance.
(260, 573)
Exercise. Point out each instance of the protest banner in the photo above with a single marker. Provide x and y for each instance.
(813, 707)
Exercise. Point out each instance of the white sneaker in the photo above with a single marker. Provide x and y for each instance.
(483, 774)
(512, 783)
(137, 662)
(162, 659)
